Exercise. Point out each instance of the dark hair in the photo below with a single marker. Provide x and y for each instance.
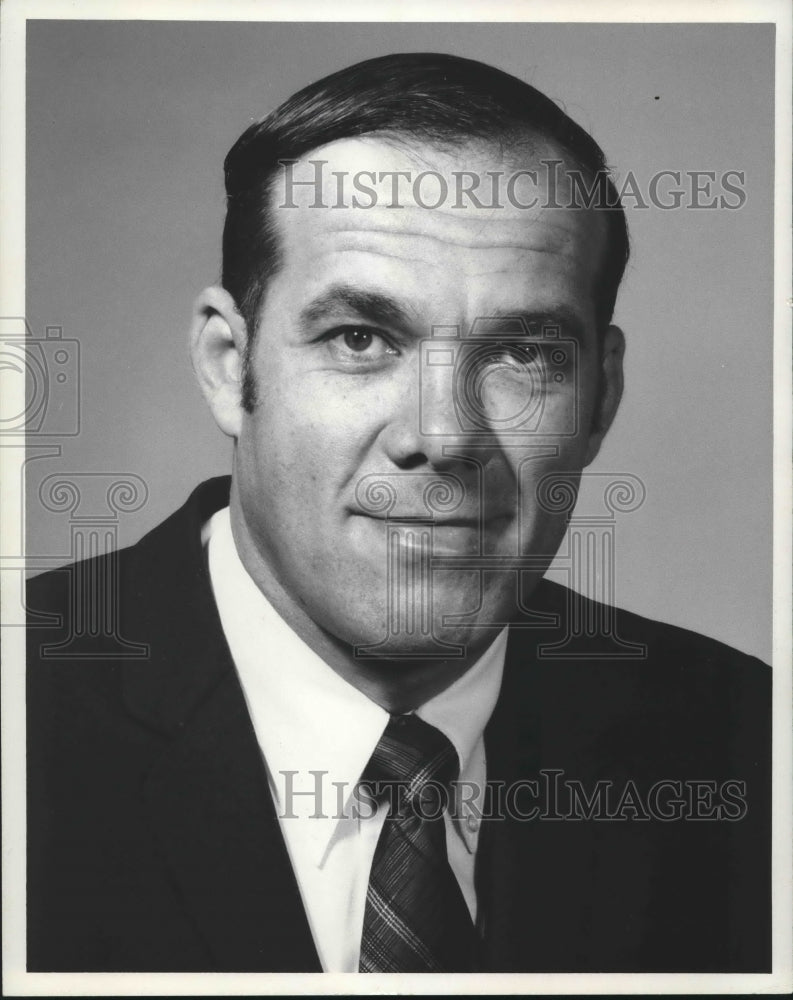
(432, 97)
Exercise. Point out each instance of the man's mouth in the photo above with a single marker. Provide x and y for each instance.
(450, 536)
(473, 521)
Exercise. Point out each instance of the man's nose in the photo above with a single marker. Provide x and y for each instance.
(429, 427)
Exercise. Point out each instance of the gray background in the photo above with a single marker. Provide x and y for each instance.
(128, 124)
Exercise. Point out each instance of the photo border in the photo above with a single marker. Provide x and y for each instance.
(18, 982)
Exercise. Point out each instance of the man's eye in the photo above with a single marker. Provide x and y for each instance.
(359, 344)
(358, 340)
(511, 353)
(528, 353)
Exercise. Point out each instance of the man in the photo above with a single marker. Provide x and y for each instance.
(368, 736)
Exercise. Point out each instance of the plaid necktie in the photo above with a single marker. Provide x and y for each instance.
(416, 918)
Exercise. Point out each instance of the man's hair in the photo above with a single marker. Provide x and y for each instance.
(434, 98)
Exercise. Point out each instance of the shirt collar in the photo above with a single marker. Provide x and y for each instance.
(309, 719)
(462, 711)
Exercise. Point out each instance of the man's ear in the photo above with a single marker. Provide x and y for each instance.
(610, 394)
(218, 339)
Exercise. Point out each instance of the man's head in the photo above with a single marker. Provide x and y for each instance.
(314, 355)
(424, 97)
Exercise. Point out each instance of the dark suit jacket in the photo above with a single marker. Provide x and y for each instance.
(153, 843)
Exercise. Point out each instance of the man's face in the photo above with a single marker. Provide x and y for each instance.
(349, 396)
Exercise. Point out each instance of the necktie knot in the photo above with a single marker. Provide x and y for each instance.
(414, 756)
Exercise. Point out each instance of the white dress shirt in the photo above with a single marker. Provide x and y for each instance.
(317, 733)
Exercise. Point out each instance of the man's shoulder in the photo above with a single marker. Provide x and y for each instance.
(145, 612)
(611, 685)
(167, 552)
(617, 634)
(132, 633)
(600, 668)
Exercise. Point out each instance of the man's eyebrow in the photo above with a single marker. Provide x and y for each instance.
(568, 321)
(374, 306)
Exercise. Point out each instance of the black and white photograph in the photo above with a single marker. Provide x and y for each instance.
(396, 498)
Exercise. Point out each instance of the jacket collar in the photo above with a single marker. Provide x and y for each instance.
(207, 796)
(167, 594)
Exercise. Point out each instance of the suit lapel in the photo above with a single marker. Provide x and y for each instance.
(207, 796)
(512, 754)
(537, 879)
(213, 815)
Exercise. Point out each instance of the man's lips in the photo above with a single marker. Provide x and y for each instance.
(453, 537)
(473, 521)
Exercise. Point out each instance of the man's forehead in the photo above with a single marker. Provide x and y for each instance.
(360, 192)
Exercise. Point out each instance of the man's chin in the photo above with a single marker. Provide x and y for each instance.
(454, 625)
(456, 646)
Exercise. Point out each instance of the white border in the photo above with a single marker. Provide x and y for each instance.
(14, 14)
